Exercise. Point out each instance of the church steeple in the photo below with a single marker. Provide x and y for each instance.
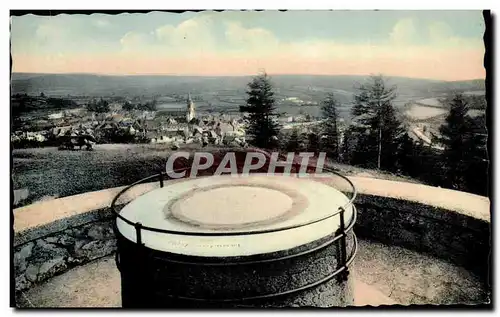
(190, 108)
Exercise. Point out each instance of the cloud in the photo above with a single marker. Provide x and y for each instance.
(410, 33)
(134, 41)
(50, 32)
(439, 31)
(240, 37)
(101, 23)
(204, 44)
(441, 34)
(403, 31)
(191, 36)
(61, 34)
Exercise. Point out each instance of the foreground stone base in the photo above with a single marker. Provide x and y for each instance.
(98, 285)
(149, 280)
(381, 274)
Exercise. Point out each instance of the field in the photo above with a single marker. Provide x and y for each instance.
(46, 173)
(433, 102)
(419, 112)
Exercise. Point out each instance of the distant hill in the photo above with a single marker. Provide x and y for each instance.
(462, 86)
(86, 84)
(229, 92)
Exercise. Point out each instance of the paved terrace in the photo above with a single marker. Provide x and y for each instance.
(383, 275)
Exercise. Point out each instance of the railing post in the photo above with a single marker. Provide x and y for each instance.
(138, 282)
(138, 234)
(161, 179)
(342, 248)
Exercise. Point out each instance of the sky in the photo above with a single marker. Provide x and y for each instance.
(444, 45)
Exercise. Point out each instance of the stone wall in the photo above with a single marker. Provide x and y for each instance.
(460, 234)
(452, 236)
(38, 260)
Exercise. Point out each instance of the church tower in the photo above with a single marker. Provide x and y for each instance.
(190, 114)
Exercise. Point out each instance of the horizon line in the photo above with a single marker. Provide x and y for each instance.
(244, 75)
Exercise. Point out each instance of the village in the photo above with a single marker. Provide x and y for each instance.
(171, 124)
(174, 126)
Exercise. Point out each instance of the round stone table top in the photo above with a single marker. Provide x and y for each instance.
(224, 204)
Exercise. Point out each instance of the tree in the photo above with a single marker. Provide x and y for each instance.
(330, 142)
(148, 106)
(347, 146)
(476, 173)
(420, 161)
(313, 141)
(100, 106)
(465, 155)
(263, 127)
(296, 142)
(152, 105)
(127, 106)
(453, 136)
(375, 125)
(406, 156)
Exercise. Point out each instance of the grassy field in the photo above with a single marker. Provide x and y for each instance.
(49, 172)
(46, 173)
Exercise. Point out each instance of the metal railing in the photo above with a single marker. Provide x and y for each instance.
(340, 236)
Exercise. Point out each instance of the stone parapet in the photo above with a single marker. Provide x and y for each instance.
(54, 236)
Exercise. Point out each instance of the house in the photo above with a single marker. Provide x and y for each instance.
(139, 128)
(61, 131)
(108, 126)
(115, 107)
(165, 136)
(57, 115)
(148, 115)
(212, 137)
(39, 137)
(77, 112)
(224, 128)
(197, 131)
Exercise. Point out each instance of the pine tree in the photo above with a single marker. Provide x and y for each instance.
(476, 174)
(127, 106)
(407, 156)
(454, 136)
(375, 125)
(296, 142)
(330, 142)
(465, 156)
(263, 127)
(313, 141)
(100, 106)
(348, 146)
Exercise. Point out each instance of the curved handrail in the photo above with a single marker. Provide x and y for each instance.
(259, 261)
(340, 234)
(325, 279)
(139, 226)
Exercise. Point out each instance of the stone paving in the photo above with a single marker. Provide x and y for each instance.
(409, 277)
(382, 275)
